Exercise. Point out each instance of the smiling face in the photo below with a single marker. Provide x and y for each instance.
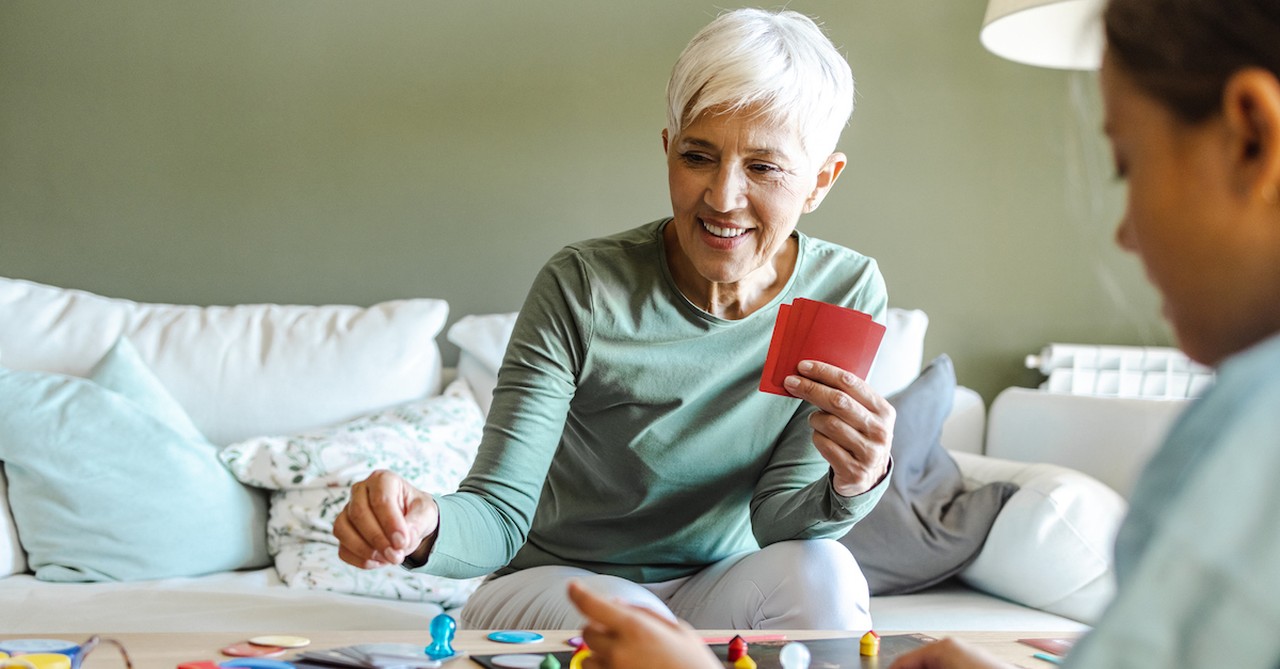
(1197, 215)
(739, 184)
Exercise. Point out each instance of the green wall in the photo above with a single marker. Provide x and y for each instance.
(319, 151)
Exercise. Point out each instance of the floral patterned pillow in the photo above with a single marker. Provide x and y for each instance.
(430, 442)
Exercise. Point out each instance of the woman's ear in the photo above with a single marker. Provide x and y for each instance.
(1251, 110)
(827, 175)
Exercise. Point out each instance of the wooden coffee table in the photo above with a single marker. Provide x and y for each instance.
(166, 650)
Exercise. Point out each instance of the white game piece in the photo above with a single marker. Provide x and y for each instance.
(794, 655)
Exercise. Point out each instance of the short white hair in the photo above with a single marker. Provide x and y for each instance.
(781, 62)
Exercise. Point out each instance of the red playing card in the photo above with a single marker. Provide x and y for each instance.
(775, 346)
(842, 337)
(804, 314)
(801, 317)
(870, 346)
(812, 330)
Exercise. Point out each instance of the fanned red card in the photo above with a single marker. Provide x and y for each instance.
(812, 330)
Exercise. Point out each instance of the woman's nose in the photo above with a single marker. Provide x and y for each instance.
(727, 190)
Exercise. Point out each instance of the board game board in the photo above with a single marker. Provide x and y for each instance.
(841, 653)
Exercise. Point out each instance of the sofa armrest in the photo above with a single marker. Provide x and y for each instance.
(1052, 544)
(1109, 438)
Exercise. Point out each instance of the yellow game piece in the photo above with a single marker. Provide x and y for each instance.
(744, 662)
(579, 655)
(38, 661)
(870, 644)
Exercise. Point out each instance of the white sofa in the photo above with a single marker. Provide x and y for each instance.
(254, 370)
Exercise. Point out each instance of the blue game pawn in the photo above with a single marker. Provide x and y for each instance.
(443, 627)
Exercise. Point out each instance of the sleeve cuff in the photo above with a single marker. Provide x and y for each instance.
(875, 491)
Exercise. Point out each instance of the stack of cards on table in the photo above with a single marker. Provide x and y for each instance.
(372, 656)
(812, 330)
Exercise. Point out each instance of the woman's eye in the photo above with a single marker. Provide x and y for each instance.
(763, 168)
(695, 158)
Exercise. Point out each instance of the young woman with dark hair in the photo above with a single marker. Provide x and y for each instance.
(1192, 95)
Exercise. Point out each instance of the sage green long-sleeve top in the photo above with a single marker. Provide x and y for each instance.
(627, 434)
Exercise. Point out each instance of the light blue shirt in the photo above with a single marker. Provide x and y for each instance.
(1198, 557)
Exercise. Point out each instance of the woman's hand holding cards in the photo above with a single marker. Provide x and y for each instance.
(853, 427)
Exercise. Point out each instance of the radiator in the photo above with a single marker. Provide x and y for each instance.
(1120, 371)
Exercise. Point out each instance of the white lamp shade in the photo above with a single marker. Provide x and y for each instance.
(1062, 34)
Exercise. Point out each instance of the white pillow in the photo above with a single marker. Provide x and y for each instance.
(431, 442)
(238, 371)
(316, 566)
(1051, 547)
(483, 341)
(901, 352)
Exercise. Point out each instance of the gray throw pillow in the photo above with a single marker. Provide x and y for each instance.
(926, 528)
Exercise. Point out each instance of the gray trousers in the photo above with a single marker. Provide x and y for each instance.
(789, 585)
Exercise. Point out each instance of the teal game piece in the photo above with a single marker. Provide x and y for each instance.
(443, 627)
(515, 636)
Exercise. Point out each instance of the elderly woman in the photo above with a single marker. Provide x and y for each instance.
(628, 444)
(1192, 92)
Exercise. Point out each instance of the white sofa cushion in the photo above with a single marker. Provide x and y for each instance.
(238, 371)
(953, 606)
(228, 603)
(966, 425)
(1051, 547)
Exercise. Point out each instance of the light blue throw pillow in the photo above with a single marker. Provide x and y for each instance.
(123, 371)
(109, 480)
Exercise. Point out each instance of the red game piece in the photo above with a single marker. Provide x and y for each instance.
(737, 648)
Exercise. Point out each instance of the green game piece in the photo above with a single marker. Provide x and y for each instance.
(549, 662)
